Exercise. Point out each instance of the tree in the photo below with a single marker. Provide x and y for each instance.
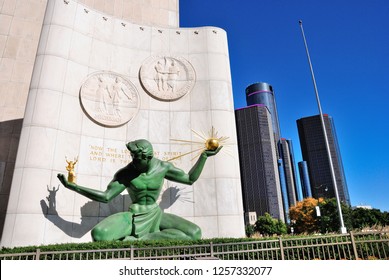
(281, 227)
(250, 230)
(266, 225)
(363, 218)
(304, 219)
(385, 219)
(303, 216)
(329, 219)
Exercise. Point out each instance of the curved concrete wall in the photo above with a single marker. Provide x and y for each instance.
(76, 42)
(20, 29)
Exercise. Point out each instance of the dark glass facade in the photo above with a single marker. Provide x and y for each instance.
(258, 162)
(299, 194)
(262, 95)
(288, 171)
(314, 152)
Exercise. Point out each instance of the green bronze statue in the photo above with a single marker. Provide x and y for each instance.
(143, 178)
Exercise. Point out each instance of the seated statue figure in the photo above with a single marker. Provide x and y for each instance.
(143, 178)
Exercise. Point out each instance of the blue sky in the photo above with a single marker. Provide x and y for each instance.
(349, 47)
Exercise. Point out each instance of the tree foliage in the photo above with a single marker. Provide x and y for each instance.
(250, 230)
(329, 220)
(362, 218)
(266, 225)
(304, 218)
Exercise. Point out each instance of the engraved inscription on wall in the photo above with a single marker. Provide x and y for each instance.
(109, 99)
(167, 78)
(109, 154)
(122, 156)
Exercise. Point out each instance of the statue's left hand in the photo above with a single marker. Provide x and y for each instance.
(210, 153)
(65, 182)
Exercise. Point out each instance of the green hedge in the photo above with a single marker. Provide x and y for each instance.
(121, 244)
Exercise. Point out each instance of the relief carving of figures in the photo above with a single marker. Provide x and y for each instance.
(167, 72)
(161, 77)
(109, 98)
(173, 73)
(101, 96)
(116, 95)
(167, 78)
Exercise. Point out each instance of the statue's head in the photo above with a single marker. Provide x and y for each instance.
(141, 152)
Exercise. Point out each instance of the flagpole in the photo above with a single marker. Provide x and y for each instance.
(342, 227)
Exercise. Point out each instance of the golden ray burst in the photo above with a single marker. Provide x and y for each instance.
(209, 141)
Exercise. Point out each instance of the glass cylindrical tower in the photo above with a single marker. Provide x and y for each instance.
(304, 177)
(262, 93)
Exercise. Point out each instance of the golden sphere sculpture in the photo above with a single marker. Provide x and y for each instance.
(212, 144)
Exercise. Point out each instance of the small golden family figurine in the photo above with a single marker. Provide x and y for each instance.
(70, 169)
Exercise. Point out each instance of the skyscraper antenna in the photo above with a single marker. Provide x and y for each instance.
(342, 227)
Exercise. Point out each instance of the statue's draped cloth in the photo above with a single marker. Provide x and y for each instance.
(147, 221)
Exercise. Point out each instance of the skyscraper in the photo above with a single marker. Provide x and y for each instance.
(262, 93)
(284, 188)
(304, 178)
(298, 190)
(315, 154)
(289, 171)
(261, 188)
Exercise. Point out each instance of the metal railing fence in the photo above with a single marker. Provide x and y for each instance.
(351, 246)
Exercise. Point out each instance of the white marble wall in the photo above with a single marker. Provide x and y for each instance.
(20, 28)
(75, 43)
(150, 12)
